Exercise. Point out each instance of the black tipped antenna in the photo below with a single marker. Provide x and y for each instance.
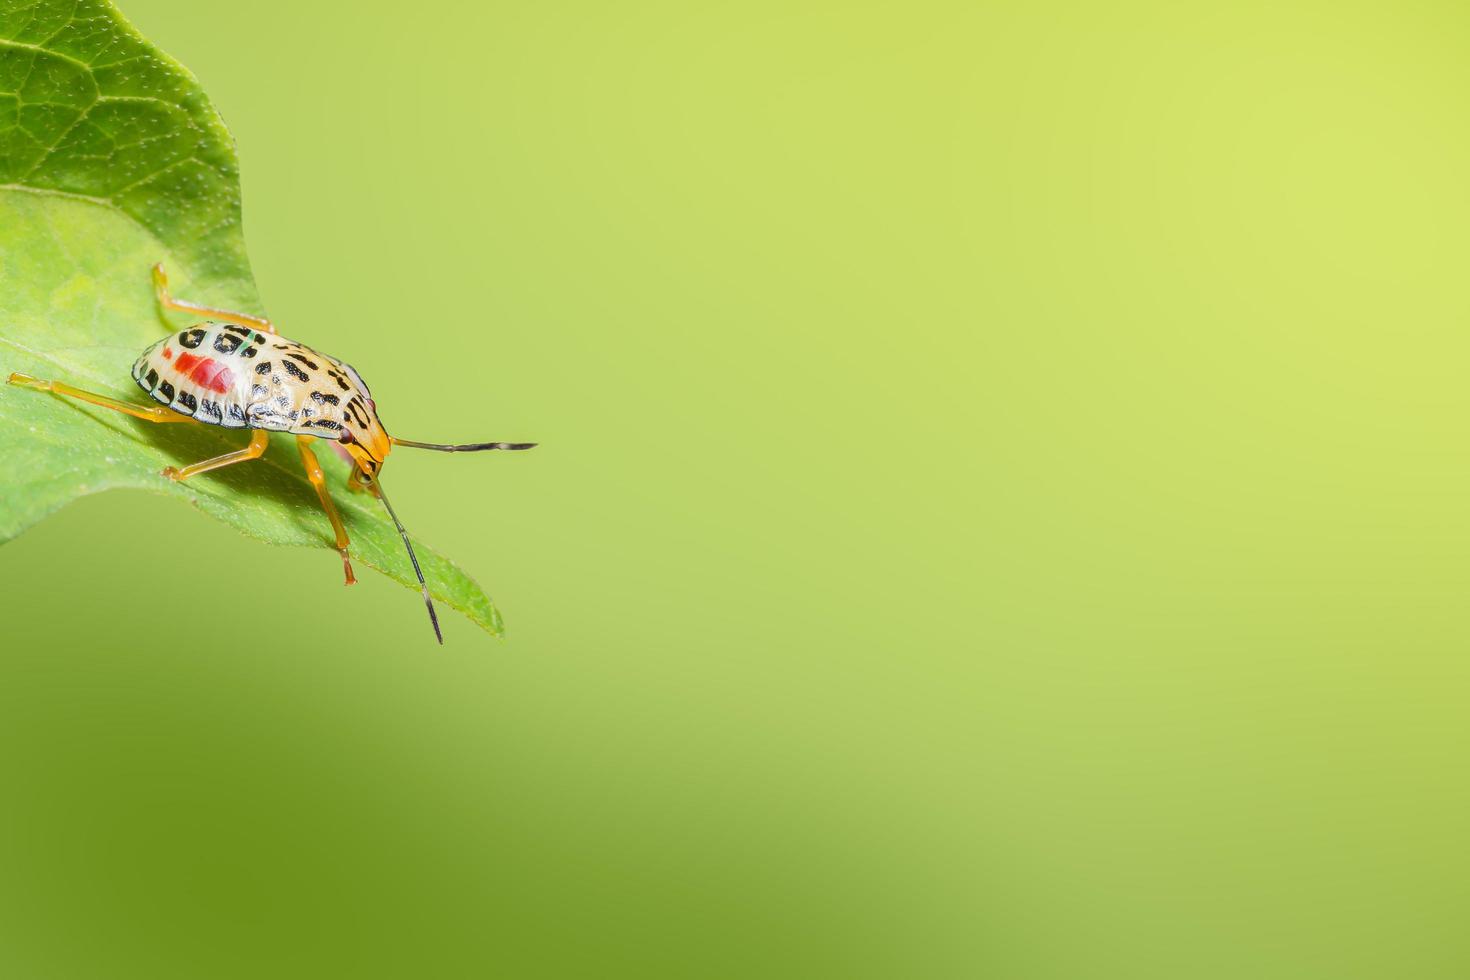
(423, 586)
(469, 447)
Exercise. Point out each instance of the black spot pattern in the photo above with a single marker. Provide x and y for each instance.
(268, 397)
(358, 415)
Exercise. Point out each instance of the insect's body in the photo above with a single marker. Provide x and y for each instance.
(237, 377)
(233, 370)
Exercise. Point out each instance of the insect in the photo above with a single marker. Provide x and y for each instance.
(234, 370)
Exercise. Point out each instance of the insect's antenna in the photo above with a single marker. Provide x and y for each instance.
(423, 586)
(469, 447)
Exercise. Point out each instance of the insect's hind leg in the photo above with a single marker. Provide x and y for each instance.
(149, 413)
(319, 480)
(259, 440)
(160, 287)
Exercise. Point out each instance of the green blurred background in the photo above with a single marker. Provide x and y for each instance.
(1003, 510)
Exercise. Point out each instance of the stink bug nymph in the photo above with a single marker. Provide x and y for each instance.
(234, 370)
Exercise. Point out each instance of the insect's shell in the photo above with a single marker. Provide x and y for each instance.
(222, 374)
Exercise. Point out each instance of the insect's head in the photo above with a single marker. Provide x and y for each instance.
(369, 444)
(363, 435)
(362, 432)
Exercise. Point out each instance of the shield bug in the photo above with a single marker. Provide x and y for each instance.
(233, 370)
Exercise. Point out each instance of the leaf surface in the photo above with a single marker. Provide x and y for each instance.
(112, 159)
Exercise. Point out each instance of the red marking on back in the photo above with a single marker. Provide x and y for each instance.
(214, 376)
(206, 373)
(168, 353)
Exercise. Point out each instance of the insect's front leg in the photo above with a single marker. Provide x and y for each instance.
(357, 482)
(319, 481)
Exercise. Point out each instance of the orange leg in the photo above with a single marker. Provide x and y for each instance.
(319, 480)
(160, 286)
(149, 413)
(357, 482)
(259, 440)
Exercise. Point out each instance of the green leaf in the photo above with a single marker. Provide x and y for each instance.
(112, 159)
